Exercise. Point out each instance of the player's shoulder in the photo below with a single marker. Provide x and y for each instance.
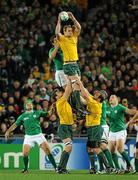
(121, 106)
(37, 111)
(60, 36)
(61, 99)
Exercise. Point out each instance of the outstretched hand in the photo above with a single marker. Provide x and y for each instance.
(71, 16)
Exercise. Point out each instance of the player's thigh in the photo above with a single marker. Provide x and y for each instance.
(26, 149)
(104, 139)
(28, 141)
(120, 145)
(112, 142)
(40, 139)
(120, 140)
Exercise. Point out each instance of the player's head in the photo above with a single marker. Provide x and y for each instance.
(113, 100)
(28, 105)
(68, 30)
(58, 92)
(100, 95)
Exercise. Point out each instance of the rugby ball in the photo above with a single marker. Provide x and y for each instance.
(64, 16)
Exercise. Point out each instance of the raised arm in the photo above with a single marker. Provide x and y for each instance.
(77, 25)
(12, 128)
(85, 94)
(68, 90)
(131, 111)
(58, 26)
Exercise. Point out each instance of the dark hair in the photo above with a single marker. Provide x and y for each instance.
(60, 89)
(66, 26)
(101, 98)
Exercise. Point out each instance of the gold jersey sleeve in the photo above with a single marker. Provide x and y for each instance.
(68, 46)
(95, 109)
(64, 111)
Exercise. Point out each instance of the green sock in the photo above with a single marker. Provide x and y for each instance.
(26, 160)
(136, 165)
(125, 156)
(64, 160)
(91, 158)
(102, 159)
(115, 159)
(108, 157)
(100, 162)
(52, 160)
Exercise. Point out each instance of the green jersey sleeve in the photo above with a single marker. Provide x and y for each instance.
(103, 115)
(122, 108)
(19, 121)
(104, 110)
(50, 51)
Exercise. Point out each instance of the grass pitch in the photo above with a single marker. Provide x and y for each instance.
(51, 175)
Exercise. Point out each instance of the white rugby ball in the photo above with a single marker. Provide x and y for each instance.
(64, 16)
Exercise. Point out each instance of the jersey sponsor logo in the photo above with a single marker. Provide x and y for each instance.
(115, 111)
(25, 118)
(34, 116)
(108, 112)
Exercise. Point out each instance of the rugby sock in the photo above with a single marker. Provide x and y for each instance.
(102, 159)
(52, 160)
(125, 156)
(108, 157)
(91, 158)
(100, 163)
(64, 160)
(26, 160)
(136, 165)
(115, 159)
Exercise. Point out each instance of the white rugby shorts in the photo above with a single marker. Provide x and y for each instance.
(60, 78)
(114, 136)
(34, 139)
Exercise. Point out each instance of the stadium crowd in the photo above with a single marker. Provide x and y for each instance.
(108, 56)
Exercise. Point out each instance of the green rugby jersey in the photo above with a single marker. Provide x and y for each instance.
(116, 117)
(31, 122)
(58, 59)
(103, 116)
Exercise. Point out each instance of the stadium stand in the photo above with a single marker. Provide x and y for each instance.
(108, 53)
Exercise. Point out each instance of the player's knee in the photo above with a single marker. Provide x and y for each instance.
(112, 149)
(68, 146)
(45, 148)
(103, 145)
(25, 153)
